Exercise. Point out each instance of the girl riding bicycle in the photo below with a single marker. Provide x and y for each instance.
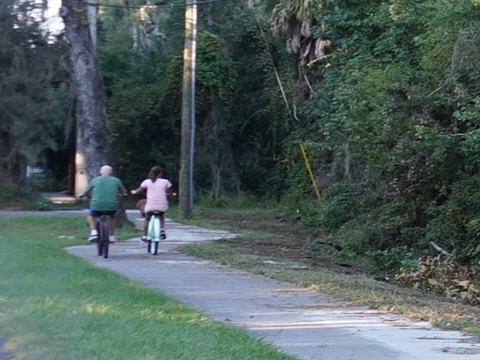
(157, 190)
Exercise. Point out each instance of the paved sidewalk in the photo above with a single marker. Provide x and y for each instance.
(303, 323)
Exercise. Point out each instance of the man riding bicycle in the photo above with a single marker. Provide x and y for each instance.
(104, 191)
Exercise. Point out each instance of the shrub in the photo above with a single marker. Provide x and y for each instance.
(20, 198)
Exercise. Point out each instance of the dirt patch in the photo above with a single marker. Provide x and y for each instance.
(284, 241)
(285, 238)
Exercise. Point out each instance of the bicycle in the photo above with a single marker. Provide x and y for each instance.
(103, 240)
(102, 226)
(154, 233)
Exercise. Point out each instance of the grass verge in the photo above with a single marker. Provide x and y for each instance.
(56, 306)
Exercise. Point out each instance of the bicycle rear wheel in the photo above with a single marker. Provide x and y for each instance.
(99, 242)
(103, 240)
(153, 235)
(150, 233)
(106, 244)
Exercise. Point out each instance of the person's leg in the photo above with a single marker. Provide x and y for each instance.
(148, 215)
(112, 225)
(163, 236)
(91, 221)
(145, 226)
(91, 224)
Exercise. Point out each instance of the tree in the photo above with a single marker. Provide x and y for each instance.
(28, 66)
(295, 20)
(240, 114)
(93, 145)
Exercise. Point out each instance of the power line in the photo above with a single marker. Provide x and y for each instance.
(157, 5)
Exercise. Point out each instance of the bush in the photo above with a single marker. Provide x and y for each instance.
(243, 200)
(342, 202)
(454, 225)
(394, 259)
(20, 198)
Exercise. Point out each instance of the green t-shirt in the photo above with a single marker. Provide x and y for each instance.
(105, 191)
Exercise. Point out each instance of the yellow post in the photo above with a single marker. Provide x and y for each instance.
(307, 164)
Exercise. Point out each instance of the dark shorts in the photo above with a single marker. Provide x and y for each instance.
(97, 213)
(150, 213)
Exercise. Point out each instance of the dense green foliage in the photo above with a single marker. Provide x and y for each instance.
(384, 95)
(393, 125)
(387, 110)
(239, 114)
(32, 109)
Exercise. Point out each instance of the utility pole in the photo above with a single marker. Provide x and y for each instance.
(186, 188)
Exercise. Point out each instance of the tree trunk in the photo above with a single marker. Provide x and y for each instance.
(92, 146)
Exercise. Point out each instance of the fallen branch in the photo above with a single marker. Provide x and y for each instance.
(439, 249)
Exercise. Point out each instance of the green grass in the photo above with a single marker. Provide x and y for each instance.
(54, 305)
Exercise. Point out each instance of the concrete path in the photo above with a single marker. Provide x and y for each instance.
(4, 355)
(303, 323)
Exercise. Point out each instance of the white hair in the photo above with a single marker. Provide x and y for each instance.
(106, 170)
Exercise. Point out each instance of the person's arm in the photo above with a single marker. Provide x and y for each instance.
(138, 191)
(170, 192)
(85, 193)
(122, 191)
